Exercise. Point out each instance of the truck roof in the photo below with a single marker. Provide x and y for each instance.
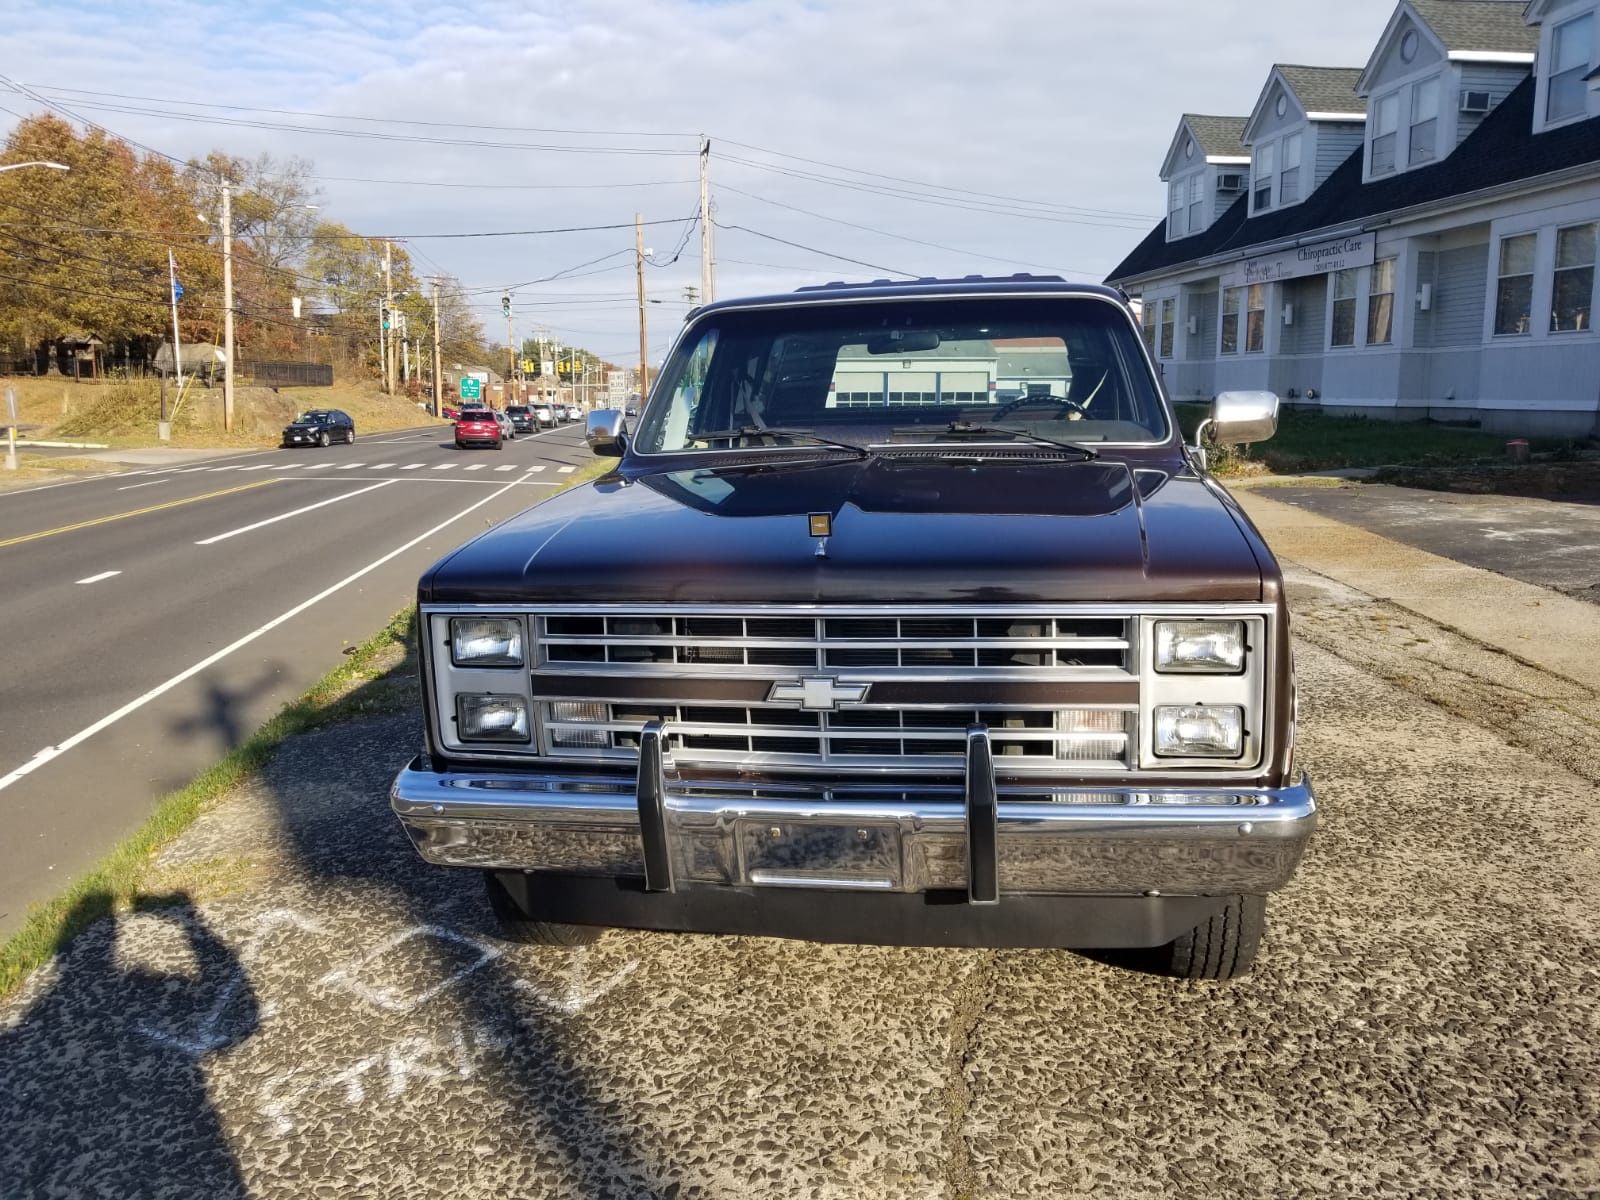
(895, 289)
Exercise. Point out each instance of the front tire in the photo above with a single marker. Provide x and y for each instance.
(324, 440)
(350, 437)
(1223, 947)
(516, 926)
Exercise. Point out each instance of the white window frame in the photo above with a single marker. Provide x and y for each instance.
(1557, 270)
(1167, 330)
(1500, 277)
(1264, 174)
(1585, 45)
(1378, 133)
(1353, 274)
(1373, 294)
(1176, 211)
(1238, 322)
(1197, 201)
(1265, 292)
(1418, 90)
(1290, 171)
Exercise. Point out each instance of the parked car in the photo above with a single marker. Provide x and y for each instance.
(944, 672)
(574, 412)
(544, 415)
(521, 418)
(320, 427)
(477, 427)
(449, 412)
(508, 429)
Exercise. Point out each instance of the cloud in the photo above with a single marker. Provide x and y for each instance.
(1059, 101)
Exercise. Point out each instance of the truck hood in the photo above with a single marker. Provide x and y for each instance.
(903, 530)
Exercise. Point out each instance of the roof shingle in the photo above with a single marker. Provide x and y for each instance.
(1499, 151)
(1219, 137)
(1483, 25)
(1324, 89)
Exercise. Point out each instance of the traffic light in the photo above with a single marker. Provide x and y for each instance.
(505, 305)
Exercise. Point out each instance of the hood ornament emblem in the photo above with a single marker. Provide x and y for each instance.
(821, 526)
(817, 693)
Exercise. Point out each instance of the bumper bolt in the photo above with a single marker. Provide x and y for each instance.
(438, 808)
(775, 832)
(1246, 828)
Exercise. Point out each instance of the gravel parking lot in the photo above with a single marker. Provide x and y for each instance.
(331, 1017)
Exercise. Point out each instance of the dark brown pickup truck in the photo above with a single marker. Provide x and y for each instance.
(906, 617)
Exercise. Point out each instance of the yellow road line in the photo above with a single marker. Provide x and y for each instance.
(137, 512)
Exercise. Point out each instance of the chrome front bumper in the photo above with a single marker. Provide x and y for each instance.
(979, 838)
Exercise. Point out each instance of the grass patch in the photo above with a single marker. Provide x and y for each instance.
(1314, 441)
(373, 680)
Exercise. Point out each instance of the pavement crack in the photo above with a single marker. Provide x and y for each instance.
(973, 1000)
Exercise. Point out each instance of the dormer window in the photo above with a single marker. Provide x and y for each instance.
(1385, 127)
(1424, 140)
(1266, 167)
(1197, 196)
(1570, 45)
(1289, 177)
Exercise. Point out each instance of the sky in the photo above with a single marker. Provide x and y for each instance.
(943, 138)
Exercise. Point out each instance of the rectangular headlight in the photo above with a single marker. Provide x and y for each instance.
(488, 718)
(486, 641)
(1200, 647)
(1199, 731)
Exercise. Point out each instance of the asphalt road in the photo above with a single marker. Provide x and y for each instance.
(152, 619)
(333, 1017)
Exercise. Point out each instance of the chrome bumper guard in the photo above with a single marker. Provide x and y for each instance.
(984, 839)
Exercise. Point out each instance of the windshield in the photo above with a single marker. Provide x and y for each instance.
(314, 417)
(908, 372)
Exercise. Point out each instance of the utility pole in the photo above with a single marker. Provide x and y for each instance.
(177, 351)
(707, 262)
(511, 349)
(438, 372)
(644, 338)
(383, 344)
(388, 309)
(227, 306)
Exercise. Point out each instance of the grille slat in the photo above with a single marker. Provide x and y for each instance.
(659, 648)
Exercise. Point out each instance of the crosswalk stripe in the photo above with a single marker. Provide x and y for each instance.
(288, 467)
(477, 466)
(320, 467)
(445, 467)
(350, 466)
(530, 470)
(258, 467)
(233, 467)
(565, 470)
(413, 466)
(381, 466)
(507, 467)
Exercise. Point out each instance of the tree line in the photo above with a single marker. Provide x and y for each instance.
(84, 252)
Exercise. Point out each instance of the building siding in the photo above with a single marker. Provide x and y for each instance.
(1482, 77)
(1460, 289)
(1335, 143)
(1310, 300)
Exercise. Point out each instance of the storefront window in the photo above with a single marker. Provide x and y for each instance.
(1231, 298)
(1385, 122)
(1147, 322)
(1572, 294)
(1424, 122)
(1380, 304)
(1344, 308)
(1570, 45)
(1513, 308)
(1169, 316)
(1255, 325)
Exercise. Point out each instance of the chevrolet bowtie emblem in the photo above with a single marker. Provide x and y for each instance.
(818, 693)
(821, 524)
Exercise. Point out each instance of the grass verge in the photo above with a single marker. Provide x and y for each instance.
(1314, 441)
(376, 678)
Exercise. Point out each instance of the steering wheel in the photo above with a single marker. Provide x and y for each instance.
(1073, 410)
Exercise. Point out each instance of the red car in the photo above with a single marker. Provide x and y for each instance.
(477, 427)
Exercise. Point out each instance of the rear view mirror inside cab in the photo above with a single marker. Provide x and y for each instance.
(904, 341)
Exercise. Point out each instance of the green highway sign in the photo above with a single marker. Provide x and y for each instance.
(471, 389)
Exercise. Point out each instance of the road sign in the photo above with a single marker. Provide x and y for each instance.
(471, 389)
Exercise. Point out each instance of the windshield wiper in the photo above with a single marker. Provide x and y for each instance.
(758, 431)
(967, 429)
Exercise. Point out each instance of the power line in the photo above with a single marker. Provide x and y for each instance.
(813, 250)
(376, 120)
(897, 236)
(518, 187)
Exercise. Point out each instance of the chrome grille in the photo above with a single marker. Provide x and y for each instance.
(1033, 645)
(763, 734)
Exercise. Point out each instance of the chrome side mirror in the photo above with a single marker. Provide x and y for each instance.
(606, 432)
(1239, 417)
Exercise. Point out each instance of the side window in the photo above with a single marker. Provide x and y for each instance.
(1255, 326)
(1230, 320)
(1344, 308)
(1380, 304)
(1385, 124)
(1513, 303)
(1572, 292)
(1570, 46)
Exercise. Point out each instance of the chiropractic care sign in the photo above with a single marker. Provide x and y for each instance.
(1339, 254)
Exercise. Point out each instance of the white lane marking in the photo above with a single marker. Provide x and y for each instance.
(146, 483)
(258, 467)
(413, 466)
(474, 467)
(320, 467)
(381, 466)
(507, 467)
(50, 753)
(99, 577)
(351, 466)
(222, 537)
(538, 467)
(235, 467)
(565, 470)
(289, 467)
(445, 467)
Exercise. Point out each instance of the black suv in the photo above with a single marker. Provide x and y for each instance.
(320, 427)
(522, 418)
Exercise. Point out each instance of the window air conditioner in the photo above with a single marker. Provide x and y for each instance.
(1231, 181)
(1476, 102)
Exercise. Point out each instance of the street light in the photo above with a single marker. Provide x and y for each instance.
(54, 166)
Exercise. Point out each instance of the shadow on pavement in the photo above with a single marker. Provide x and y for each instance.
(225, 717)
(364, 846)
(102, 1086)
